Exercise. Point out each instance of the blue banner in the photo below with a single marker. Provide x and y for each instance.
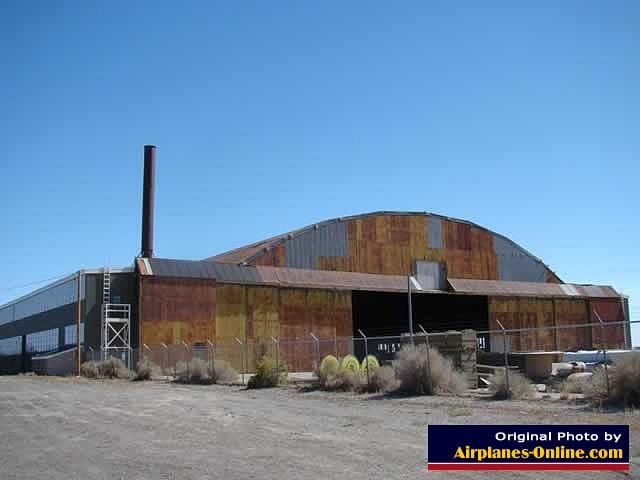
(528, 447)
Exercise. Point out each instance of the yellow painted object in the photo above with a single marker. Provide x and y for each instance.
(369, 362)
(350, 363)
(329, 364)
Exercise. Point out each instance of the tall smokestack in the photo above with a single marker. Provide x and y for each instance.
(148, 190)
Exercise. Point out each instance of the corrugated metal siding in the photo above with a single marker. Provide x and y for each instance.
(47, 298)
(390, 242)
(226, 272)
(434, 228)
(431, 275)
(609, 311)
(572, 312)
(177, 310)
(514, 264)
(329, 240)
(533, 289)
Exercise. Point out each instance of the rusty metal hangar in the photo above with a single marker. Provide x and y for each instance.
(331, 279)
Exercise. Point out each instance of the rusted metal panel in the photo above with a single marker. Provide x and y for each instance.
(528, 289)
(175, 310)
(572, 312)
(373, 243)
(609, 311)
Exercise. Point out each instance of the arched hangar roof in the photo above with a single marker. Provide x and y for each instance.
(388, 241)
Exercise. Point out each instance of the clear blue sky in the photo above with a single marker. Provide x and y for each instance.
(272, 115)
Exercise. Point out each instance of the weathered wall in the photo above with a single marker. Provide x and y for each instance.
(561, 312)
(196, 311)
(175, 310)
(390, 244)
(610, 310)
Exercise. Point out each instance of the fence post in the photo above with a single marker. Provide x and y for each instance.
(212, 354)
(366, 354)
(166, 354)
(426, 342)
(410, 310)
(316, 347)
(186, 350)
(506, 357)
(277, 347)
(243, 357)
(604, 351)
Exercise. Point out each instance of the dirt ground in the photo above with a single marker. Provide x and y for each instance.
(67, 428)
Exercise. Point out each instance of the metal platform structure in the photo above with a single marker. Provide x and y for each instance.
(116, 325)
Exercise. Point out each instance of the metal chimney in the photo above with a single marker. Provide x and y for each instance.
(148, 190)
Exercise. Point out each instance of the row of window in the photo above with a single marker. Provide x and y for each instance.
(11, 346)
(43, 341)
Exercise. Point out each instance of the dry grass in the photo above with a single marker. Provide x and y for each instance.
(146, 370)
(421, 375)
(576, 383)
(200, 372)
(520, 387)
(110, 368)
(383, 379)
(267, 375)
(342, 379)
(624, 383)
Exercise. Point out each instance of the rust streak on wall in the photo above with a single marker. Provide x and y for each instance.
(175, 310)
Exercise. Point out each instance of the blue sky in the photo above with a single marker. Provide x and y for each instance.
(272, 115)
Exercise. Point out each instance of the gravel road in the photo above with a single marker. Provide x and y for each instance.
(68, 428)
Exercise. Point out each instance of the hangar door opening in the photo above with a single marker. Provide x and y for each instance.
(385, 314)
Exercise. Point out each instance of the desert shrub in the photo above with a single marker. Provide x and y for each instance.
(196, 371)
(624, 382)
(519, 386)
(383, 379)
(370, 362)
(267, 375)
(110, 368)
(343, 379)
(328, 365)
(412, 372)
(221, 372)
(146, 369)
(114, 368)
(350, 362)
(89, 369)
(576, 383)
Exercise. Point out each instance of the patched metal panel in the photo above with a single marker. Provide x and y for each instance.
(434, 228)
(224, 272)
(330, 240)
(431, 275)
(516, 265)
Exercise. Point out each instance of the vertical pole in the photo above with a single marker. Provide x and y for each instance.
(78, 315)
(410, 309)
(316, 347)
(276, 346)
(426, 342)
(506, 357)
(366, 356)
(243, 356)
(335, 340)
(604, 351)
(212, 354)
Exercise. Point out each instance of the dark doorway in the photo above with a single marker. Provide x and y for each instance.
(383, 314)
